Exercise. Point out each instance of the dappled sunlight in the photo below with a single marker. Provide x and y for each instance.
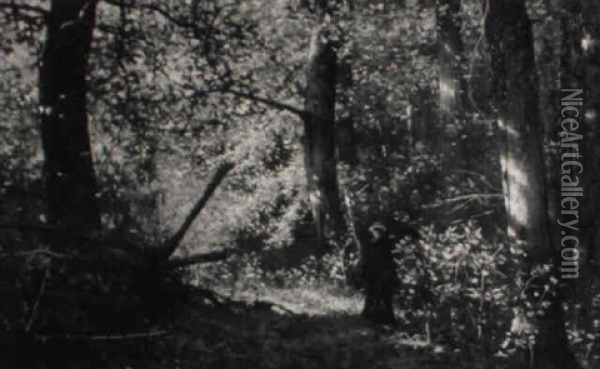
(298, 184)
(508, 129)
(316, 301)
(518, 190)
(447, 91)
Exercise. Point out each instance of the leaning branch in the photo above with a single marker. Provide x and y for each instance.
(167, 249)
(122, 249)
(269, 102)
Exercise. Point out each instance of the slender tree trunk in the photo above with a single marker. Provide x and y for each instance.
(451, 83)
(450, 50)
(149, 203)
(68, 170)
(590, 43)
(549, 65)
(319, 130)
(509, 34)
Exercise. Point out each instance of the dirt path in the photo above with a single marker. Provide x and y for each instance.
(261, 337)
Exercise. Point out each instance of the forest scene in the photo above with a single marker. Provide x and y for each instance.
(349, 184)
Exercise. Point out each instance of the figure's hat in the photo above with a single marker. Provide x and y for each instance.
(377, 226)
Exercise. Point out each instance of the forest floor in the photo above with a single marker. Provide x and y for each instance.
(292, 329)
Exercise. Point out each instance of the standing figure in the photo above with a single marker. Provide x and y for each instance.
(379, 275)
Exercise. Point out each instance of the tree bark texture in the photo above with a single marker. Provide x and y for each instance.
(68, 170)
(509, 34)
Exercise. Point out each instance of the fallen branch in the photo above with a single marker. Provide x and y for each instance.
(36, 305)
(130, 336)
(130, 254)
(103, 337)
(199, 259)
(481, 177)
(261, 304)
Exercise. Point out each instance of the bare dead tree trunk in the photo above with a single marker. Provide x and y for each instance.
(68, 170)
(508, 30)
(319, 140)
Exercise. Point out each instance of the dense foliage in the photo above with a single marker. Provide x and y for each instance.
(177, 88)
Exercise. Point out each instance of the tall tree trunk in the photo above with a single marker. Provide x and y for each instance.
(319, 130)
(68, 170)
(573, 76)
(508, 30)
(590, 43)
(451, 83)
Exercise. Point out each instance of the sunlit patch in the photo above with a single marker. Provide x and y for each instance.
(447, 90)
(586, 42)
(517, 190)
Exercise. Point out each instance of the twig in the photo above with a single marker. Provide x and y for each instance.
(37, 303)
(270, 305)
(130, 336)
(482, 178)
(469, 197)
(475, 50)
(44, 252)
(105, 337)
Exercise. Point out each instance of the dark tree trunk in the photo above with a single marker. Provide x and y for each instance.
(422, 120)
(319, 140)
(68, 170)
(590, 43)
(591, 49)
(573, 76)
(508, 30)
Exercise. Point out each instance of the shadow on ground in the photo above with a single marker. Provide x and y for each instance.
(201, 334)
